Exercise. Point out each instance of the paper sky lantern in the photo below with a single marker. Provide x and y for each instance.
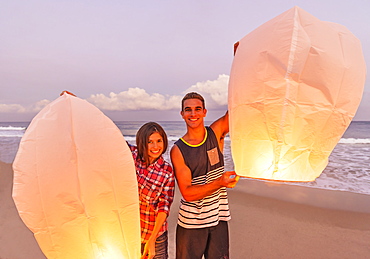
(75, 185)
(295, 85)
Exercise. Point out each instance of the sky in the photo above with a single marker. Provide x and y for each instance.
(135, 60)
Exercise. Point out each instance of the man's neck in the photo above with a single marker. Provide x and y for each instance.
(196, 135)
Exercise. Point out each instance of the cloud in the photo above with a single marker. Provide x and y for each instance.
(15, 108)
(39, 105)
(135, 99)
(215, 93)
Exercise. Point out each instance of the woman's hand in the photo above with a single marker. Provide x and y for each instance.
(149, 249)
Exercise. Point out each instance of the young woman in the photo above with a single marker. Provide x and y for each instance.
(156, 184)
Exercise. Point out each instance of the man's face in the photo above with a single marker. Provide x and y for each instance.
(193, 112)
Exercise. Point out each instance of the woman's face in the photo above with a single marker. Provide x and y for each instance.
(155, 146)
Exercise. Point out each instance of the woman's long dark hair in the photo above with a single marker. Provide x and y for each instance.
(142, 139)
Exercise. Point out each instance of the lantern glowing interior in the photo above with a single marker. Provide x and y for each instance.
(75, 185)
(295, 85)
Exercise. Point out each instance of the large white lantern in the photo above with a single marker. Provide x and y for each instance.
(295, 85)
(75, 184)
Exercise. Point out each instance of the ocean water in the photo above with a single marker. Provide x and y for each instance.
(348, 168)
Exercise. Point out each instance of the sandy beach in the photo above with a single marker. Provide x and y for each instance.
(16, 240)
(269, 220)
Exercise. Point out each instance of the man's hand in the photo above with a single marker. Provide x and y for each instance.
(67, 93)
(229, 179)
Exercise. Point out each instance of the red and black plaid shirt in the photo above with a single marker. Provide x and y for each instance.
(156, 190)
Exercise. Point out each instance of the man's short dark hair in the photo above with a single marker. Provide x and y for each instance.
(192, 95)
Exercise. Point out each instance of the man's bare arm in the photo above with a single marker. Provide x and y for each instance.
(196, 192)
(221, 127)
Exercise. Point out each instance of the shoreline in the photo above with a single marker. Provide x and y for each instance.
(269, 220)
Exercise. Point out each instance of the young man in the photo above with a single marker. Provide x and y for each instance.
(199, 170)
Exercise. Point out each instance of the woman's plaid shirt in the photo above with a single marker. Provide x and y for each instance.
(156, 190)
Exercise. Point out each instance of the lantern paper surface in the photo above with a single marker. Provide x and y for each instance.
(295, 85)
(75, 184)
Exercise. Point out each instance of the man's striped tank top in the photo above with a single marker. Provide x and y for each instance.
(206, 163)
